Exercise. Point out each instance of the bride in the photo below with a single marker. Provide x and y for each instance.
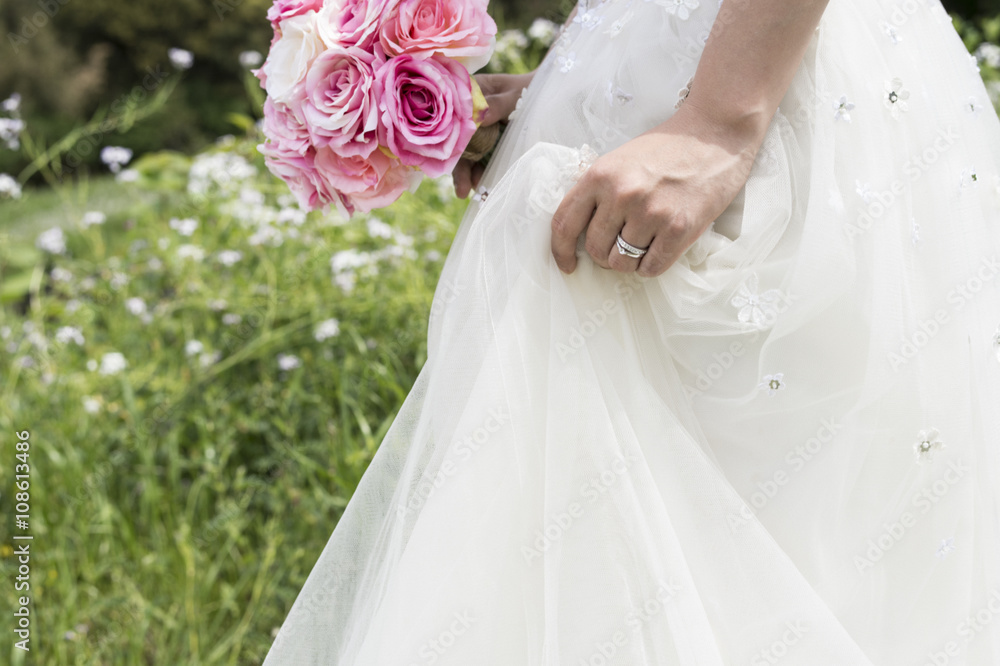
(714, 364)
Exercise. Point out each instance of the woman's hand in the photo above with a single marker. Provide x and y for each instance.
(502, 92)
(660, 190)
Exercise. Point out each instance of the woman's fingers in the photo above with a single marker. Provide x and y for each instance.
(477, 173)
(568, 222)
(462, 176)
(662, 254)
(601, 235)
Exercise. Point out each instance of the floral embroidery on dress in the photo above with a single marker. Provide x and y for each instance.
(619, 24)
(773, 383)
(914, 231)
(996, 343)
(753, 307)
(928, 443)
(586, 158)
(680, 8)
(481, 195)
(891, 32)
(842, 109)
(969, 177)
(947, 545)
(567, 61)
(517, 105)
(683, 93)
(895, 97)
(864, 191)
(615, 95)
(561, 45)
(589, 19)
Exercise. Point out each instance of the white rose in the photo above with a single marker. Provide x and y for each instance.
(291, 56)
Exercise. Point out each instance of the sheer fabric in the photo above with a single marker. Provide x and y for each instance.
(785, 449)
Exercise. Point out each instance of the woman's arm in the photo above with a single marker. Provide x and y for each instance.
(752, 53)
(662, 189)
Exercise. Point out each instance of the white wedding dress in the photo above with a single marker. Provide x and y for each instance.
(785, 449)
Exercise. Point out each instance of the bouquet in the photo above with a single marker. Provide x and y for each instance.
(365, 97)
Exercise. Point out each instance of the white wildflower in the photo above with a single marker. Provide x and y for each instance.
(9, 187)
(12, 104)
(251, 59)
(118, 280)
(209, 358)
(51, 241)
(268, 235)
(379, 229)
(115, 157)
(180, 58)
(188, 251)
(296, 216)
(193, 347)
(327, 329)
(543, 30)
(112, 363)
(60, 274)
(68, 334)
(289, 361)
(184, 227)
(989, 54)
(10, 132)
(229, 257)
(135, 305)
(93, 217)
(91, 405)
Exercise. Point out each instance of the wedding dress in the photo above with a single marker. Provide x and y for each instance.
(785, 449)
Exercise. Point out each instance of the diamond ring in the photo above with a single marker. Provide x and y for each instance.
(629, 250)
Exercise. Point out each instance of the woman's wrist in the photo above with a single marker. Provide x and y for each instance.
(739, 130)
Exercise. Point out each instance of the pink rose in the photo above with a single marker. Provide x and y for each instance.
(283, 9)
(340, 107)
(366, 182)
(352, 22)
(289, 155)
(427, 121)
(285, 129)
(460, 29)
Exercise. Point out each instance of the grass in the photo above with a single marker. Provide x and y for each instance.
(177, 505)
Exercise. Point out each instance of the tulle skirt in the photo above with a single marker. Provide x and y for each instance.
(785, 449)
